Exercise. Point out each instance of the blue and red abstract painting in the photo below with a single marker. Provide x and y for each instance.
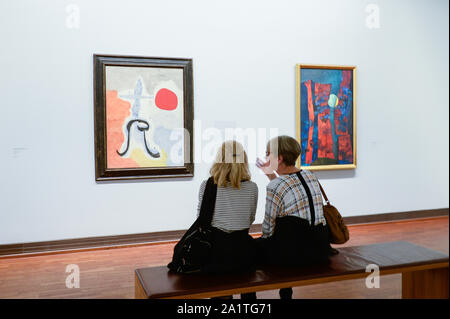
(326, 117)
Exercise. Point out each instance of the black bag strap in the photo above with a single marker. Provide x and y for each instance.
(208, 203)
(310, 199)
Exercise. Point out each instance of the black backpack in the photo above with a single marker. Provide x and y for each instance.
(194, 248)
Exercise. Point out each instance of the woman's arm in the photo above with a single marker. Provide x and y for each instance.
(255, 205)
(200, 196)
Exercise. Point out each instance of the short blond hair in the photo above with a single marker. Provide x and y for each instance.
(231, 165)
(287, 147)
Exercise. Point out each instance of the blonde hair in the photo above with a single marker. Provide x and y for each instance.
(231, 165)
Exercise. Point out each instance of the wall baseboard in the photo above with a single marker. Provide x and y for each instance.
(91, 243)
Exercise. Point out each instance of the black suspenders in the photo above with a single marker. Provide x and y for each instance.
(310, 199)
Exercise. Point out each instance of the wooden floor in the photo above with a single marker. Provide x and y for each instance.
(109, 273)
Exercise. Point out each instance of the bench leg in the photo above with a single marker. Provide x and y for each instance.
(139, 292)
(431, 283)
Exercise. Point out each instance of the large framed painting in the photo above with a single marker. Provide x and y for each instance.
(326, 116)
(143, 110)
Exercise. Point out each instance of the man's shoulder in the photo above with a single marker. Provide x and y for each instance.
(278, 182)
(310, 175)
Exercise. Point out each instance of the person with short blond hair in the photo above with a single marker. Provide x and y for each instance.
(285, 146)
(294, 230)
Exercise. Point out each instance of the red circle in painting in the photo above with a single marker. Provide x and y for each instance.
(166, 100)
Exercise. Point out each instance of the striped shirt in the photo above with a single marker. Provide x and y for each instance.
(287, 197)
(235, 208)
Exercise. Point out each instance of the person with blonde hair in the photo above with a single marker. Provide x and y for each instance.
(234, 210)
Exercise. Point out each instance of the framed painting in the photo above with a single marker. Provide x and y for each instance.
(326, 116)
(143, 115)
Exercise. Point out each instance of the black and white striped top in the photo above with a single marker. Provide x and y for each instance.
(235, 208)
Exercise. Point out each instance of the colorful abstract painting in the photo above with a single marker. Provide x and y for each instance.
(143, 108)
(326, 121)
(141, 112)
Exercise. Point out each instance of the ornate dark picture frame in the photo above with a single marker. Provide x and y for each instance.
(134, 98)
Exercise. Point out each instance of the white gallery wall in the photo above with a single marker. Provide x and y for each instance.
(244, 55)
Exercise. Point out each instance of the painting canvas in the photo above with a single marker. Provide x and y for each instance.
(143, 109)
(326, 116)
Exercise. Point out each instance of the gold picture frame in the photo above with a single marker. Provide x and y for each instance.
(319, 83)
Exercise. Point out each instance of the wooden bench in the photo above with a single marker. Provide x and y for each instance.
(424, 274)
